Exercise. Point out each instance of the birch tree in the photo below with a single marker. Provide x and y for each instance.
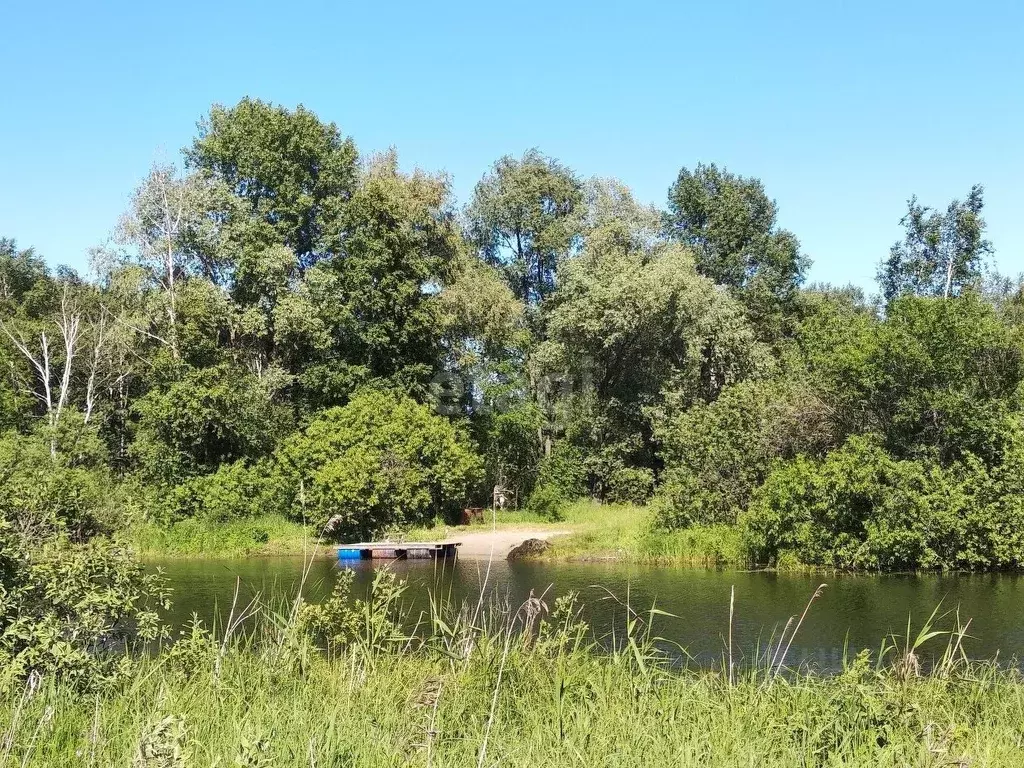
(941, 252)
(51, 355)
(165, 219)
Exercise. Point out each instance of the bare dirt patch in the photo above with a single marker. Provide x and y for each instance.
(498, 544)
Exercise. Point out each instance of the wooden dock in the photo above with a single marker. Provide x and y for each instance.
(393, 550)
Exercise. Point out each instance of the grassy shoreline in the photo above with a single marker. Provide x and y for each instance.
(264, 536)
(513, 686)
(595, 532)
(620, 533)
(261, 711)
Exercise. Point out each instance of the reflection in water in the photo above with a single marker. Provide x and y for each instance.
(855, 610)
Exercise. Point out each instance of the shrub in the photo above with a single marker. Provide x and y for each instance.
(630, 485)
(42, 489)
(547, 501)
(381, 460)
(235, 491)
(862, 508)
(374, 623)
(68, 608)
(70, 598)
(207, 418)
(564, 468)
(717, 454)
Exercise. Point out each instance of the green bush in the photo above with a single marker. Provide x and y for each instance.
(42, 489)
(547, 501)
(381, 460)
(717, 454)
(204, 419)
(862, 508)
(564, 468)
(630, 485)
(70, 597)
(235, 491)
(69, 609)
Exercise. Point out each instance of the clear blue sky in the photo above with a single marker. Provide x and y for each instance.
(843, 109)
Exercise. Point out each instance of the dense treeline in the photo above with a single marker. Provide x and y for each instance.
(286, 325)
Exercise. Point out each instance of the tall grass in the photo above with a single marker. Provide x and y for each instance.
(365, 683)
(269, 534)
(590, 531)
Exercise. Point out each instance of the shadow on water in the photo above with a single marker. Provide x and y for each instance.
(855, 611)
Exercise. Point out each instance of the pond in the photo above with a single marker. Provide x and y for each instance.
(854, 611)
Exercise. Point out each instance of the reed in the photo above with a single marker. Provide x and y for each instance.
(496, 683)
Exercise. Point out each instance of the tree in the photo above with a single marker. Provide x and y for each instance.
(730, 224)
(480, 315)
(942, 379)
(294, 172)
(523, 217)
(400, 250)
(19, 270)
(630, 321)
(716, 455)
(372, 312)
(381, 460)
(206, 418)
(941, 254)
(166, 221)
(65, 344)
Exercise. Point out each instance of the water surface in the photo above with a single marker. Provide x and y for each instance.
(854, 611)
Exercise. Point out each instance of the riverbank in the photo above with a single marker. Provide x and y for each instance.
(431, 712)
(264, 536)
(585, 531)
(517, 694)
(588, 531)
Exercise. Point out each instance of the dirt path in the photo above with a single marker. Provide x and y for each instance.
(498, 543)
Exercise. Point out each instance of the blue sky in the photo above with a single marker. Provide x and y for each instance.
(843, 109)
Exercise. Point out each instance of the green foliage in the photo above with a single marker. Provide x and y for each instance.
(943, 378)
(546, 501)
(163, 744)
(478, 309)
(941, 253)
(232, 492)
(591, 346)
(935, 377)
(717, 454)
(294, 172)
(729, 222)
(401, 238)
(268, 533)
(45, 491)
(67, 609)
(630, 485)
(374, 624)
(70, 597)
(68, 604)
(509, 437)
(379, 461)
(565, 470)
(205, 418)
(20, 270)
(860, 507)
(193, 651)
(631, 324)
(415, 703)
(524, 218)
